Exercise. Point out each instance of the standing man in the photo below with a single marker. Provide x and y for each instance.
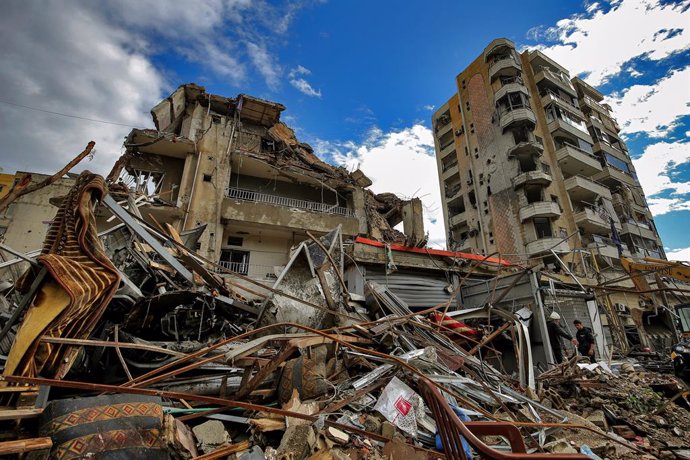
(585, 340)
(555, 331)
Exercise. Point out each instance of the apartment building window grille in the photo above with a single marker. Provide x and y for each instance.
(235, 260)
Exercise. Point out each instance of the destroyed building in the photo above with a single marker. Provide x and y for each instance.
(24, 223)
(231, 165)
(226, 294)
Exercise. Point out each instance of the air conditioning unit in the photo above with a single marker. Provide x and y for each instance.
(620, 308)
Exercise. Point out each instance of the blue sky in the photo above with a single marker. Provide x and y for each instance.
(359, 79)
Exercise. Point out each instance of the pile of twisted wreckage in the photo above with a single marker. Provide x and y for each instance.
(130, 343)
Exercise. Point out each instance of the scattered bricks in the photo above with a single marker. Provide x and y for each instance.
(624, 431)
(296, 442)
(211, 435)
(387, 430)
(599, 419)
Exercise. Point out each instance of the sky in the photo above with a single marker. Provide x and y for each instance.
(360, 79)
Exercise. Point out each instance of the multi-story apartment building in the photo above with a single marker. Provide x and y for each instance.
(231, 165)
(530, 160)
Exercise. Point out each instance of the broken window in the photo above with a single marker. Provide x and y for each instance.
(457, 206)
(267, 145)
(235, 241)
(527, 164)
(542, 227)
(473, 199)
(235, 260)
(534, 194)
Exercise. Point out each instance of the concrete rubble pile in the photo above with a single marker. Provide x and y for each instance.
(122, 339)
(177, 364)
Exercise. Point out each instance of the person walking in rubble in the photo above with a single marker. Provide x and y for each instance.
(585, 340)
(555, 331)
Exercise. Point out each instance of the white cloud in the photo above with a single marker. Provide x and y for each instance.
(265, 64)
(655, 170)
(653, 109)
(95, 60)
(601, 42)
(70, 60)
(296, 80)
(429, 107)
(401, 162)
(682, 254)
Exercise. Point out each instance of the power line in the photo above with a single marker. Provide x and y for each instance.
(67, 115)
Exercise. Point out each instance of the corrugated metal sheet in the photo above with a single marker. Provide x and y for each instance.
(417, 289)
(570, 309)
(476, 293)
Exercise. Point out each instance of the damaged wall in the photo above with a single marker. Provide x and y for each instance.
(239, 169)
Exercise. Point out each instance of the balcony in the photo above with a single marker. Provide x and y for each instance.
(574, 162)
(582, 189)
(452, 192)
(605, 247)
(446, 150)
(557, 79)
(600, 146)
(594, 105)
(458, 220)
(450, 170)
(497, 45)
(528, 148)
(288, 213)
(540, 177)
(539, 209)
(567, 128)
(517, 117)
(506, 67)
(624, 205)
(610, 173)
(547, 244)
(510, 88)
(639, 229)
(552, 98)
(591, 221)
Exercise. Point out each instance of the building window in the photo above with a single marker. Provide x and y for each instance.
(235, 260)
(235, 241)
(617, 163)
(542, 227)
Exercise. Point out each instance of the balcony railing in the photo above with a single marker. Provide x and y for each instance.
(244, 268)
(594, 104)
(446, 166)
(237, 267)
(256, 197)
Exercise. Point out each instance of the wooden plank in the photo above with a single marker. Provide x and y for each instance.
(18, 414)
(17, 389)
(25, 445)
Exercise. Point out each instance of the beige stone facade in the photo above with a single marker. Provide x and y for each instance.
(232, 165)
(530, 160)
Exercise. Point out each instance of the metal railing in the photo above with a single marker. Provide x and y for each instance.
(446, 166)
(557, 96)
(244, 268)
(596, 105)
(256, 197)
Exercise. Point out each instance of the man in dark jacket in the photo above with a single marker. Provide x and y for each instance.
(585, 340)
(555, 333)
